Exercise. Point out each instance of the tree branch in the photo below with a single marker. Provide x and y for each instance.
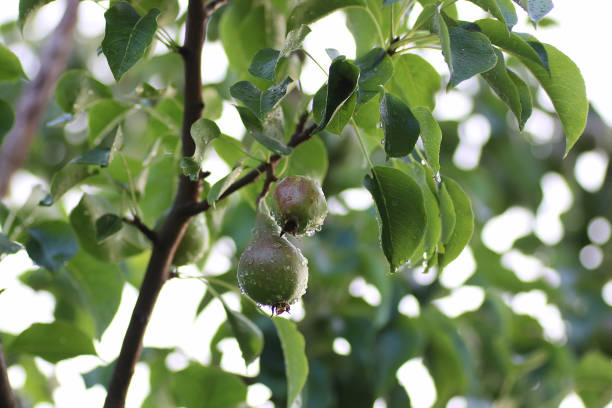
(7, 399)
(35, 96)
(137, 222)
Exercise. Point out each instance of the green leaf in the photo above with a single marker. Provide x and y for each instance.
(7, 246)
(464, 225)
(342, 83)
(125, 243)
(77, 90)
(309, 159)
(565, 87)
(415, 81)
(503, 10)
(51, 244)
(26, 7)
(375, 69)
(103, 154)
(466, 53)
(203, 131)
(107, 225)
(447, 214)
(7, 118)
(399, 125)
(230, 150)
(503, 84)
(99, 286)
(593, 379)
(67, 177)
(308, 11)
(104, 116)
(536, 9)
(264, 63)
(401, 210)
(10, 66)
(294, 40)
(220, 186)
(248, 335)
(256, 130)
(431, 135)
(524, 96)
(127, 36)
(53, 342)
(260, 103)
(296, 364)
(206, 387)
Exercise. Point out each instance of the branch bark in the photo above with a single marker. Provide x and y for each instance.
(32, 103)
(7, 399)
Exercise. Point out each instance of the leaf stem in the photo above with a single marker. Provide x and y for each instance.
(135, 206)
(381, 37)
(316, 62)
(362, 144)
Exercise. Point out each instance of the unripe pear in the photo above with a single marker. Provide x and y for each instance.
(299, 205)
(271, 270)
(195, 241)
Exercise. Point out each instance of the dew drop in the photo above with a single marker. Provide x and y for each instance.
(438, 177)
(382, 142)
(310, 233)
(423, 162)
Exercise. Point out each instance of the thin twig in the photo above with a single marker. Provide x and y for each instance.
(213, 6)
(270, 178)
(35, 96)
(136, 222)
(7, 398)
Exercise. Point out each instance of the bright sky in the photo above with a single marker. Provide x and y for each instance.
(582, 34)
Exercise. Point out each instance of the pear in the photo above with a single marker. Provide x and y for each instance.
(195, 242)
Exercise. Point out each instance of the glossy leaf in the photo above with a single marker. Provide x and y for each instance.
(66, 178)
(593, 379)
(447, 214)
(103, 117)
(77, 90)
(264, 63)
(210, 387)
(248, 335)
(308, 11)
(415, 81)
(107, 225)
(503, 10)
(342, 83)
(399, 125)
(127, 36)
(255, 129)
(203, 131)
(536, 9)
(53, 342)
(7, 118)
(464, 225)
(524, 96)
(51, 244)
(402, 217)
(260, 103)
(295, 39)
(296, 364)
(10, 66)
(431, 135)
(7, 246)
(375, 69)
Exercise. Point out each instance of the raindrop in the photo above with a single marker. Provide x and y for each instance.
(438, 177)
(310, 233)
(382, 142)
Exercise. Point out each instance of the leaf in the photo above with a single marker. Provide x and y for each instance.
(294, 40)
(51, 244)
(107, 225)
(103, 154)
(524, 96)
(565, 87)
(503, 10)
(536, 9)
(203, 131)
(122, 244)
(7, 246)
(399, 125)
(255, 129)
(264, 63)
(230, 150)
(10, 66)
(401, 210)
(308, 11)
(466, 53)
(7, 118)
(309, 159)
(387, 2)
(26, 7)
(210, 387)
(296, 364)
(447, 214)
(67, 177)
(431, 135)
(103, 117)
(415, 81)
(375, 70)
(127, 36)
(260, 103)
(77, 90)
(593, 379)
(220, 186)
(53, 342)
(342, 83)
(464, 225)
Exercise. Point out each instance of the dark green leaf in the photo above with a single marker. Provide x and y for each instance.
(7, 118)
(431, 135)
(255, 129)
(66, 178)
(203, 131)
(28, 6)
(342, 83)
(7, 246)
(249, 337)
(525, 97)
(127, 36)
(104, 117)
(296, 364)
(53, 342)
(401, 210)
(107, 225)
(387, 2)
(399, 125)
(308, 11)
(77, 90)
(447, 213)
(10, 66)
(464, 225)
(264, 63)
(536, 9)
(206, 387)
(51, 244)
(375, 70)
(503, 10)
(593, 379)
(415, 81)
(260, 103)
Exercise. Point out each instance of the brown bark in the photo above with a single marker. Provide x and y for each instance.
(7, 398)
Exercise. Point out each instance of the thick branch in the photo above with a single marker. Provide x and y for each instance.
(7, 399)
(35, 96)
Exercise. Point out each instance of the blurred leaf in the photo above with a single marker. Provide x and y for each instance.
(400, 126)
(464, 225)
(37, 386)
(104, 116)
(53, 342)
(26, 7)
(127, 36)
(536, 9)
(414, 80)
(10, 66)
(593, 379)
(77, 90)
(107, 225)
(309, 11)
(309, 159)
(503, 10)
(102, 155)
(51, 244)
(342, 83)
(402, 213)
(296, 364)
(230, 150)
(7, 246)
(207, 387)
(447, 213)
(67, 177)
(295, 39)
(7, 118)
(220, 186)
